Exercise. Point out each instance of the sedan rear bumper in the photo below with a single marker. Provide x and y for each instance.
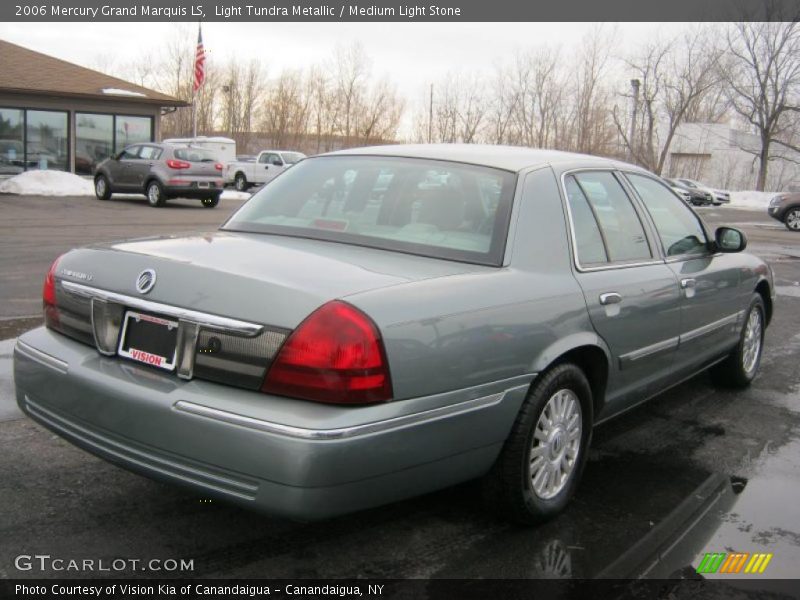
(291, 458)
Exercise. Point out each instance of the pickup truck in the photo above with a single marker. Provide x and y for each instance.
(266, 166)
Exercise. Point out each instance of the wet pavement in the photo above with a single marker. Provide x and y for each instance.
(694, 471)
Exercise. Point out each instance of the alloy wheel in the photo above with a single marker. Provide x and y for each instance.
(556, 443)
(752, 341)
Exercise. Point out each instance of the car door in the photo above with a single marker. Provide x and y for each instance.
(275, 165)
(631, 294)
(262, 168)
(709, 281)
(118, 168)
(140, 168)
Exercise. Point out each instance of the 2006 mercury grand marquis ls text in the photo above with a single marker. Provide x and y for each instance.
(381, 322)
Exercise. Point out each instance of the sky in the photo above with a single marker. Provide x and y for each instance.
(412, 54)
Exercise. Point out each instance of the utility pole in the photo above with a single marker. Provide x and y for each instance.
(635, 83)
(430, 117)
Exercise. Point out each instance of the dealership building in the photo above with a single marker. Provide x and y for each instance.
(58, 115)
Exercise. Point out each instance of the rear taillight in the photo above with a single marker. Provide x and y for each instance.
(178, 164)
(336, 356)
(218, 166)
(49, 296)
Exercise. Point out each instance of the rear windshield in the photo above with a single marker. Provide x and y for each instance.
(292, 157)
(433, 208)
(195, 155)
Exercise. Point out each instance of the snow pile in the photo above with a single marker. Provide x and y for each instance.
(752, 200)
(234, 195)
(47, 183)
(119, 92)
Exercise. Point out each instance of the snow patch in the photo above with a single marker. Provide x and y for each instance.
(120, 92)
(752, 200)
(234, 195)
(47, 183)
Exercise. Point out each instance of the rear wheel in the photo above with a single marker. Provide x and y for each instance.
(155, 194)
(240, 182)
(211, 201)
(792, 219)
(542, 460)
(101, 188)
(741, 366)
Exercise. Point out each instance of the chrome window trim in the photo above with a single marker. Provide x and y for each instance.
(571, 227)
(339, 433)
(40, 357)
(205, 320)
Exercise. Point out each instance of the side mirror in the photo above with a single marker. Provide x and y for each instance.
(729, 239)
(277, 163)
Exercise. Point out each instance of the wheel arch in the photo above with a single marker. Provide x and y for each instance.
(763, 290)
(589, 352)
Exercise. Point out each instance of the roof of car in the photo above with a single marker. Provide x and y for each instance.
(510, 158)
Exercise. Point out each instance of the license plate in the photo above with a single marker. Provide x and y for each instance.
(149, 339)
(203, 184)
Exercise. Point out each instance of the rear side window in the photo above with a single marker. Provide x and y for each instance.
(129, 153)
(433, 208)
(620, 227)
(679, 229)
(588, 239)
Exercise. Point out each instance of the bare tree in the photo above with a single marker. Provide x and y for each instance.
(763, 76)
(674, 77)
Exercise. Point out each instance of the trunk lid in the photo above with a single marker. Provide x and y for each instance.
(267, 279)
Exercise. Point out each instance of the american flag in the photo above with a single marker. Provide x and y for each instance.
(199, 61)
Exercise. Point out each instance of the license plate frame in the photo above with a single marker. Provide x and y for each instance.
(204, 184)
(140, 324)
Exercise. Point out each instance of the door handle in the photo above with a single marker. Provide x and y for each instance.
(610, 298)
(688, 283)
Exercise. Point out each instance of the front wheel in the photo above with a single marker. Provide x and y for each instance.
(792, 219)
(542, 460)
(101, 188)
(741, 365)
(155, 194)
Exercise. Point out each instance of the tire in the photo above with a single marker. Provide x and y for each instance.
(101, 188)
(513, 488)
(792, 219)
(240, 182)
(741, 366)
(211, 201)
(155, 193)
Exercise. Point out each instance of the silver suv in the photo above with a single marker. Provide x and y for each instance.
(161, 172)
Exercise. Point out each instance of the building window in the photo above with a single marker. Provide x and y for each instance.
(132, 130)
(46, 140)
(94, 141)
(12, 148)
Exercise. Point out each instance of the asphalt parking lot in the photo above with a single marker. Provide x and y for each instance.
(696, 470)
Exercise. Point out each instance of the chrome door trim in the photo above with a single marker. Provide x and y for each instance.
(710, 327)
(663, 346)
(205, 320)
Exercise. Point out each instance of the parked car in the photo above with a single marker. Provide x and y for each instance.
(717, 196)
(161, 172)
(786, 209)
(697, 196)
(682, 193)
(332, 349)
(266, 167)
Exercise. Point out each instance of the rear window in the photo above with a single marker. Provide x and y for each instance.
(432, 208)
(195, 155)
